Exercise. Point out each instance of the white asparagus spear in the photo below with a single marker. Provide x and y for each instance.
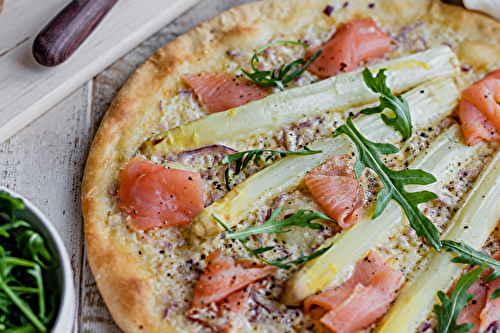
(428, 103)
(337, 93)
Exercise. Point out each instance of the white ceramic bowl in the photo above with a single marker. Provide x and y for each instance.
(62, 276)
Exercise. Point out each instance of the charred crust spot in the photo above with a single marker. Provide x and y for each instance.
(157, 141)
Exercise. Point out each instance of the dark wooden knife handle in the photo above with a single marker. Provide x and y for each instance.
(64, 34)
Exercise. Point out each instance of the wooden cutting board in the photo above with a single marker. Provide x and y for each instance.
(28, 89)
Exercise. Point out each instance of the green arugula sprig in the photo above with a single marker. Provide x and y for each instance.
(402, 120)
(302, 218)
(4, 229)
(467, 255)
(9, 205)
(447, 313)
(279, 262)
(23, 304)
(242, 159)
(7, 264)
(394, 182)
(279, 76)
(33, 246)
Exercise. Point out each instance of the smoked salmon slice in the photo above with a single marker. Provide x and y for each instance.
(361, 300)
(482, 311)
(491, 310)
(225, 286)
(335, 187)
(362, 274)
(224, 275)
(471, 312)
(223, 91)
(365, 305)
(352, 43)
(156, 197)
(226, 315)
(232, 309)
(479, 110)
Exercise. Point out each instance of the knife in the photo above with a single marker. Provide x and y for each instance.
(488, 7)
(66, 32)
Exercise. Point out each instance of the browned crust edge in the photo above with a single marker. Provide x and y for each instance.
(122, 280)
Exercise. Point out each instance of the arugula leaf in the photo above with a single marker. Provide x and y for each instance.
(278, 76)
(261, 249)
(12, 225)
(316, 254)
(495, 294)
(32, 245)
(278, 262)
(467, 255)
(36, 272)
(6, 265)
(447, 313)
(394, 182)
(242, 159)
(402, 120)
(301, 219)
(21, 279)
(9, 205)
(28, 328)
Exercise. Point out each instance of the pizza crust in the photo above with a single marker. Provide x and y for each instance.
(121, 274)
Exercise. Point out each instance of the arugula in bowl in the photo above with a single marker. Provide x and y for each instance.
(27, 302)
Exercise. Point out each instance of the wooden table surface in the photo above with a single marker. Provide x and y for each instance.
(45, 161)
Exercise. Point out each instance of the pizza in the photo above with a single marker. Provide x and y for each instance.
(297, 166)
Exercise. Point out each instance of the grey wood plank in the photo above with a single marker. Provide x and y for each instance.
(45, 161)
(28, 89)
(94, 315)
